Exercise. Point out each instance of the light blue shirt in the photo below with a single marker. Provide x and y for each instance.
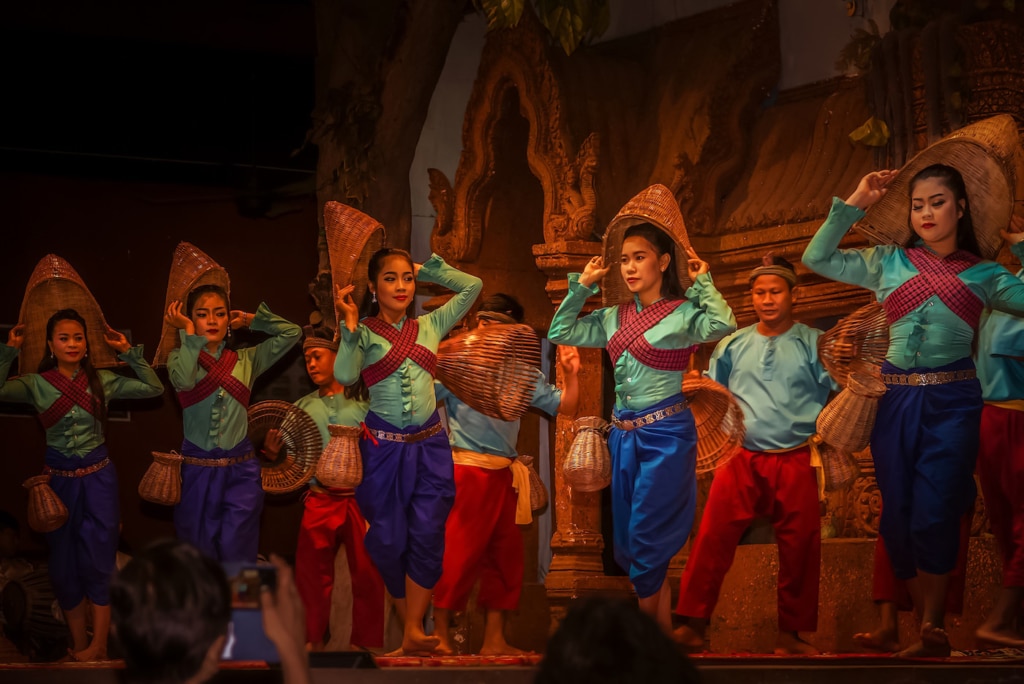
(1000, 347)
(703, 317)
(778, 381)
(931, 335)
(333, 409)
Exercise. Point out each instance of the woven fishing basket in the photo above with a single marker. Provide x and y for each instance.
(840, 467)
(301, 444)
(46, 512)
(986, 155)
(718, 419)
(190, 268)
(341, 464)
(492, 369)
(538, 492)
(352, 238)
(55, 285)
(655, 205)
(588, 467)
(856, 344)
(162, 482)
(846, 422)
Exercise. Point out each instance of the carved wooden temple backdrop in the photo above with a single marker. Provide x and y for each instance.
(552, 147)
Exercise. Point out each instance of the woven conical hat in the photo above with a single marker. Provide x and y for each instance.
(352, 238)
(55, 285)
(190, 268)
(986, 154)
(655, 205)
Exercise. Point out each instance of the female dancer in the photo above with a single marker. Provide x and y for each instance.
(934, 290)
(71, 397)
(221, 490)
(408, 477)
(653, 440)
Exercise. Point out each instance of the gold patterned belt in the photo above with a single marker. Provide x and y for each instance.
(648, 418)
(407, 438)
(78, 472)
(917, 379)
(333, 492)
(217, 462)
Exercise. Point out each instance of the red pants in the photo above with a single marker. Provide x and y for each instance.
(783, 488)
(328, 522)
(1001, 472)
(482, 540)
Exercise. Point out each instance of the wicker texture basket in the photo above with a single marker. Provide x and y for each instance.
(846, 422)
(190, 268)
(538, 492)
(162, 482)
(588, 467)
(840, 467)
(341, 464)
(46, 512)
(655, 205)
(986, 155)
(301, 444)
(492, 369)
(718, 419)
(858, 343)
(55, 285)
(352, 238)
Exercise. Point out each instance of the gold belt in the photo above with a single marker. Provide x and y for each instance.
(917, 379)
(407, 438)
(217, 462)
(333, 492)
(648, 418)
(79, 472)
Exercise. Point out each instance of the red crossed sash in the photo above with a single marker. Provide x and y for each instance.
(72, 392)
(936, 276)
(630, 336)
(403, 345)
(218, 374)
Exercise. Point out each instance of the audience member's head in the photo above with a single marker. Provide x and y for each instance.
(170, 608)
(611, 642)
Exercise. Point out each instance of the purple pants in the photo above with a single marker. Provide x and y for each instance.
(220, 506)
(84, 549)
(407, 491)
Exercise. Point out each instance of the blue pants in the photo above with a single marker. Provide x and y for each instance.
(925, 444)
(654, 492)
(220, 507)
(406, 494)
(84, 549)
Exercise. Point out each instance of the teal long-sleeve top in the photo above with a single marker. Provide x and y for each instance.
(471, 430)
(333, 409)
(1000, 353)
(778, 381)
(78, 432)
(931, 335)
(219, 420)
(703, 317)
(406, 397)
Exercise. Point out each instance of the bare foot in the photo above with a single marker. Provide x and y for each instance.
(934, 643)
(444, 645)
(689, 638)
(994, 637)
(790, 643)
(881, 640)
(419, 645)
(503, 648)
(90, 655)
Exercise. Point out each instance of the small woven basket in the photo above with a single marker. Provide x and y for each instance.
(55, 285)
(301, 440)
(846, 422)
(840, 467)
(492, 369)
(858, 343)
(352, 238)
(341, 464)
(718, 419)
(588, 467)
(46, 512)
(162, 482)
(538, 492)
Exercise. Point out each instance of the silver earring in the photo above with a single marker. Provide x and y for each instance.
(374, 297)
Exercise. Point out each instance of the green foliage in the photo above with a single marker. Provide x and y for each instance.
(570, 22)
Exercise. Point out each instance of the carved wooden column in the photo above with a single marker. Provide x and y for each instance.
(576, 543)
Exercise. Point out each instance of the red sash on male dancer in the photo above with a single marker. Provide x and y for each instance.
(936, 276)
(630, 336)
(403, 345)
(72, 392)
(218, 374)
